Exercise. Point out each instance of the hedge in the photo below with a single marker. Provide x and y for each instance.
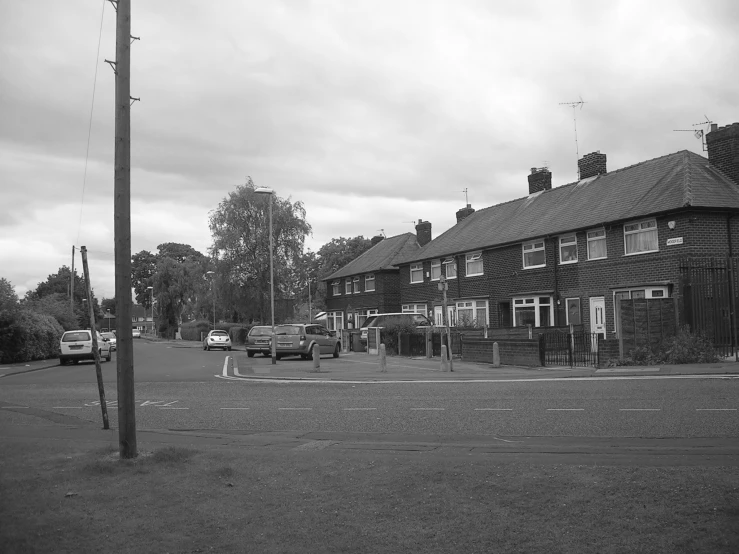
(26, 336)
(193, 329)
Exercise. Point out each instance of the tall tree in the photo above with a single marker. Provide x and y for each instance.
(143, 267)
(240, 229)
(8, 297)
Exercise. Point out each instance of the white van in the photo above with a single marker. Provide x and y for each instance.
(77, 345)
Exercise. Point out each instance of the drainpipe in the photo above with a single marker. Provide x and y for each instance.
(555, 300)
(732, 297)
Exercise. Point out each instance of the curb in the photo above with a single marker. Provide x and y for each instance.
(56, 364)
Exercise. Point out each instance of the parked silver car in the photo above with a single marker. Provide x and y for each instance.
(217, 339)
(297, 339)
(259, 341)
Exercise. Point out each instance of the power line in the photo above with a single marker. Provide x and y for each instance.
(89, 127)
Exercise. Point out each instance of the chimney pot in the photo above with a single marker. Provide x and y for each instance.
(464, 212)
(423, 232)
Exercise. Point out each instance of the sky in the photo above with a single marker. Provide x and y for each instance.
(373, 114)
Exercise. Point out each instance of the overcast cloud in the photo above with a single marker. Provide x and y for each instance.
(373, 114)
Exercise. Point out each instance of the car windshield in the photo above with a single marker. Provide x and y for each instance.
(287, 330)
(75, 336)
(108, 336)
(260, 331)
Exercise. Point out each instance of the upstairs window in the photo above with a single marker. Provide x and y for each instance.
(597, 244)
(534, 254)
(414, 309)
(356, 285)
(435, 270)
(450, 268)
(416, 273)
(641, 237)
(348, 286)
(335, 288)
(473, 263)
(568, 249)
(369, 282)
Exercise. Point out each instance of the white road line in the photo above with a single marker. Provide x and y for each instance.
(493, 409)
(225, 367)
(234, 408)
(565, 409)
(639, 409)
(16, 407)
(715, 409)
(298, 409)
(429, 409)
(358, 409)
(66, 407)
(168, 408)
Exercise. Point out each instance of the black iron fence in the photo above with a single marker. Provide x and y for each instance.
(569, 349)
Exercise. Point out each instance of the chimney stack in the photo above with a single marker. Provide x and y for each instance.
(423, 232)
(591, 165)
(540, 179)
(376, 239)
(464, 212)
(723, 149)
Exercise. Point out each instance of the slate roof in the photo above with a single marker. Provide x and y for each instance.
(381, 256)
(679, 180)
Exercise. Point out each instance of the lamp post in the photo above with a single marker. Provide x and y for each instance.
(151, 301)
(212, 295)
(108, 316)
(310, 317)
(270, 192)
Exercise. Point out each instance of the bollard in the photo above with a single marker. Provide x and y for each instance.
(444, 361)
(316, 358)
(383, 359)
(496, 355)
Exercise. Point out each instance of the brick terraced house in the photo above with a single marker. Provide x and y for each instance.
(370, 283)
(563, 255)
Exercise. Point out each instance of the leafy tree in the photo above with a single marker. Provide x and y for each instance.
(143, 267)
(8, 297)
(57, 306)
(240, 229)
(55, 287)
(108, 304)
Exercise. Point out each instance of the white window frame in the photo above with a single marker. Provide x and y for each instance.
(435, 269)
(533, 302)
(533, 247)
(473, 258)
(355, 285)
(567, 240)
(473, 305)
(336, 288)
(438, 318)
(415, 309)
(369, 282)
(335, 321)
(450, 268)
(639, 230)
(595, 239)
(662, 291)
(348, 285)
(417, 271)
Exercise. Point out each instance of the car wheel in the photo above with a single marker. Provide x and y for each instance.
(229, 349)
(304, 356)
(250, 353)
(62, 362)
(336, 351)
(109, 356)
(75, 362)
(278, 356)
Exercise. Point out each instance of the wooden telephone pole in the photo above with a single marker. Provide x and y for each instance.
(122, 227)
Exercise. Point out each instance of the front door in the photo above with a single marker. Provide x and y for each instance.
(598, 316)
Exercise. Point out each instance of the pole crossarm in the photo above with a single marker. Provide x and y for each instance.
(115, 4)
(114, 65)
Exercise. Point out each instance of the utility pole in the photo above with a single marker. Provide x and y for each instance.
(122, 226)
(93, 330)
(71, 283)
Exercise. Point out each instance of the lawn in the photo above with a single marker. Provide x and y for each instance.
(60, 497)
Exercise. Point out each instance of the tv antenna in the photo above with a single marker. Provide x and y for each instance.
(574, 105)
(699, 133)
(466, 200)
(411, 222)
(382, 232)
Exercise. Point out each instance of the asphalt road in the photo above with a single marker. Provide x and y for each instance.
(181, 388)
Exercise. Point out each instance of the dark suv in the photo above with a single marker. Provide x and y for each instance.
(383, 320)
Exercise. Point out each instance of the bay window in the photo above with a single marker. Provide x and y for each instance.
(533, 310)
(472, 313)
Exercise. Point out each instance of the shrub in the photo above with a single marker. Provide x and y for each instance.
(685, 347)
(26, 336)
(193, 329)
(238, 334)
(389, 335)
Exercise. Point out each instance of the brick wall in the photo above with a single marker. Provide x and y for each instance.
(522, 352)
(591, 165)
(608, 349)
(385, 297)
(723, 149)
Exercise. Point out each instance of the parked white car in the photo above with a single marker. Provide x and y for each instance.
(77, 345)
(217, 339)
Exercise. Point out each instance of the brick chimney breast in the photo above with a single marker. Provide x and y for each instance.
(423, 232)
(591, 165)
(464, 212)
(723, 149)
(540, 179)
(376, 239)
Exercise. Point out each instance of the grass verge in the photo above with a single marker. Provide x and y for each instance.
(58, 497)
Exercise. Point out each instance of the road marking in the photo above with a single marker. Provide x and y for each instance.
(171, 408)
(16, 407)
(639, 409)
(295, 409)
(234, 408)
(565, 409)
(225, 367)
(358, 409)
(715, 409)
(236, 368)
(429, 409)
(66, 407)
(493, 409)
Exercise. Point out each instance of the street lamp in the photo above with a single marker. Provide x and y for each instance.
(212, 295)
(151, 301)
(270, 192)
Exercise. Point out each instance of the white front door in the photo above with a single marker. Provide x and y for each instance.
(598, 315)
